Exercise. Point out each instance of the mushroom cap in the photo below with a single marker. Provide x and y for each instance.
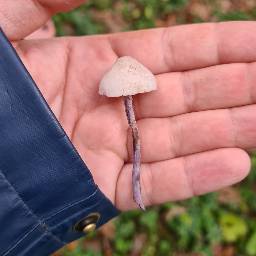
(127, 77)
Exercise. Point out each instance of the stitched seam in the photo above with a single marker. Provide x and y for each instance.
(39, 224)
(19, 241)
(70, 206)
(43, 226)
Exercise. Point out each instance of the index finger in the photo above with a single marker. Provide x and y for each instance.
(18, 19)
(190, 46)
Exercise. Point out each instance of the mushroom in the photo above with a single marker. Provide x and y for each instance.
(125, 78)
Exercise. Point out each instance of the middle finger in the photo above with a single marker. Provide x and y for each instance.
(222, 86)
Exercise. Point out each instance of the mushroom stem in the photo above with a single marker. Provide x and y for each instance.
(136, 151)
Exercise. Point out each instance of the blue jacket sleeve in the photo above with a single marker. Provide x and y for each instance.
(45, 187)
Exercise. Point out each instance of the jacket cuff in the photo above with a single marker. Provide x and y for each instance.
(45, 186)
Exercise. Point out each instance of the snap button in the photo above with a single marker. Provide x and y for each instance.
(89, 228)
(87, 224)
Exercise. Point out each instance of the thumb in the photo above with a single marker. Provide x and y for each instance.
(18, 18)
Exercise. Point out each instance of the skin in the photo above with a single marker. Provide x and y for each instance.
(192, 127)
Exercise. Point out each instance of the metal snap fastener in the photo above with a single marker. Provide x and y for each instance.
(89, 228)
(87, 224)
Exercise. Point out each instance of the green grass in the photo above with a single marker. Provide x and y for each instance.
(139, 14)
(204, 222)
(93, 17)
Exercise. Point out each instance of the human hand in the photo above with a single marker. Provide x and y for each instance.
(191, 128)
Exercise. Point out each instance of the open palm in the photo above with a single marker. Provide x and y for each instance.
(191, 128)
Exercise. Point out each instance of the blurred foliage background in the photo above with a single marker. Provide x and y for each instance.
(219, 224)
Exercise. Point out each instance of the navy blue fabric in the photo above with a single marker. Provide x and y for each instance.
(45, 187)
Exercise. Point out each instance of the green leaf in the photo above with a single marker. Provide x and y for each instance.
(149, 12)
(164, 246)
(251, 245)
(186, 219)
(136, 13)
(123, 245)
(232, 227)
(149, 219)
(233, 16)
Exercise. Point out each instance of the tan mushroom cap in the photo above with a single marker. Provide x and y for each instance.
(127, 77)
